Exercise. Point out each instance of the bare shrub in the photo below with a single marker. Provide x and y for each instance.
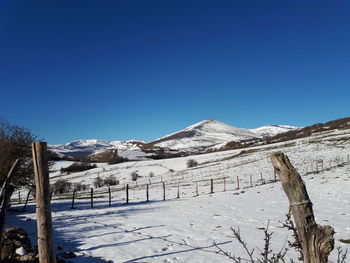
(80, 187)
(191, 163)
(98, 182)
(266, 254)
(134, 176)
(111, 180)
(109, 156)
(116, 158)
(78, 167)
(61, 186)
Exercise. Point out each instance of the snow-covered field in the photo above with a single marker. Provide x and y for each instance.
(184, 229)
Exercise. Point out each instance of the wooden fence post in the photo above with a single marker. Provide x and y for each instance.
(147, 192)
(251, 181)
(197, 194)
(127, 193)
(237, 182)
(27, 199)
(224, 184)
(43, 207)
(109, 196)
(316, 241)
(19, 197)
(163, 191)
(73, 198)
(92, 197)
(211, 186)
(178, 191)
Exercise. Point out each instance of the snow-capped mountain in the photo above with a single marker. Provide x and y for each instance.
(81, 148)
(207, 134)
(213, 133)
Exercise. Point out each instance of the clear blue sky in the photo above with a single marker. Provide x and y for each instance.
(140, 69)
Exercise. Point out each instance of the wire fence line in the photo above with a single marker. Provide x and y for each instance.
(183, 184)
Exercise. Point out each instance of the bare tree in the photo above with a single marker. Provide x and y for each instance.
(191, 163)
(15, 143)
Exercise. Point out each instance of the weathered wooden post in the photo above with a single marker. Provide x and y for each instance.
(224, 184)
(43, 207)
(19, 197)
(197, 189)
(73, 199)
(147, 192)
(237, 182)
(127, 193)
(27, 199)
(316, 241)
(211, 186)
(178, 191)
(163, 191)
(92, 197)
(109, 196)
(251, 181)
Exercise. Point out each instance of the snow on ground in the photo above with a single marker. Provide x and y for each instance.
(184, 229)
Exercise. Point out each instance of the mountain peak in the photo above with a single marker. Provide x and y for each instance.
(206, 133)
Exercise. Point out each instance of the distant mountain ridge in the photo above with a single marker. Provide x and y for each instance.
(272, 130)
(201, 136)
(213, 133)
(82, 148)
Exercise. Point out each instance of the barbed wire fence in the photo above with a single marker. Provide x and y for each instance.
(203, 180)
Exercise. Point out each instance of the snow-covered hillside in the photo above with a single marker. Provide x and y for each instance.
(272, 130)
(81, 148)
(184, 229)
